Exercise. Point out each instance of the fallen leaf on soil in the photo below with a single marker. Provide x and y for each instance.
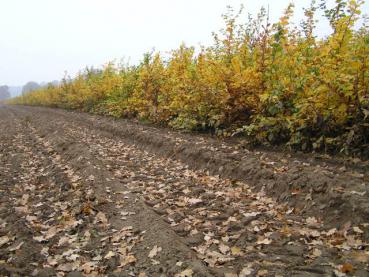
(236, 251)
(317, 252)
(215, 258)
(39, 238)
(246, 271)
(31, 218)
(155, 262)
(101, 217)
(51, 232)
(67, 267)
(312, 221)
(88, 267)
(4, 240)
(125, 260)
(262, 272)
(252, 214)
(24, 199)
(361, 257)
(45, 251)
(265, 241)
(230, 275)
(63, 241)
(72, 257)
(185, 273)
(223, 248)
(346, 268)
(109, 255)
(309, 233)
(194, 201)
(357, 230)
(21, 209)
(52, 261)
(17, 247)
(154, 251)
(331, 232)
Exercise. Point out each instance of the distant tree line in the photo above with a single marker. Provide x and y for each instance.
(7, 92)
(4, 93)
(30, 86)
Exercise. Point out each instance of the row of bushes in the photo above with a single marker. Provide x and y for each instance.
(275, 83)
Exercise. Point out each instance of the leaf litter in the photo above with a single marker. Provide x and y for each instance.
(225, 222)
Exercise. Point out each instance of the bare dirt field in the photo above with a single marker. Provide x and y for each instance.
(85, 195)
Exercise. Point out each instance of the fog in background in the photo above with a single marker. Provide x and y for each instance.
(41, 39)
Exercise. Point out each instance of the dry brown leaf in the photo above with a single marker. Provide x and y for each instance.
(309, 233)
(24, 199)
(361, 257)
(312, 221)
(66, 267)
(51, 232)
(346, 268)
(16, 247)
(154, 251)
(230, 275)
(88, 267)
(264, 241)
(63, 241)
(4, 240)
(186, 191)
(262, 272)
(109, 255)
(246, 271)
(45, 251)
(317, 252)
(40, 239)
(194, 201)
(186, 273)
(357, 230)
(31, 218)
(331, 232)
(125, 260)
(155, 262)
(236, 251)
(251, 214)
(224, 248)
(53, 261)
(72, 257)
(101, 217)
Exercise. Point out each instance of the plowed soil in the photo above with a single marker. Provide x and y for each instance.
(85, 195)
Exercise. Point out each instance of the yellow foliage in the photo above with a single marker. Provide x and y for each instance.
(273, 82)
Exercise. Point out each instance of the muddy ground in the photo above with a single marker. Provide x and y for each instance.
(84, 195)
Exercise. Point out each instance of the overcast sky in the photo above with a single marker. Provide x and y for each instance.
(40, 39)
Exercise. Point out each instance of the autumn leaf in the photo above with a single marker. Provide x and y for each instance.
(4, 240)
(185, 273)
(125, 260)
(154, 251)
(346, 268)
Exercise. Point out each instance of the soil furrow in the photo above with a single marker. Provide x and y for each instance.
(106, 196)
(181, 215)
(336, 189)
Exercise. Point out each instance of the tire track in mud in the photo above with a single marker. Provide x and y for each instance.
(224, 221)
